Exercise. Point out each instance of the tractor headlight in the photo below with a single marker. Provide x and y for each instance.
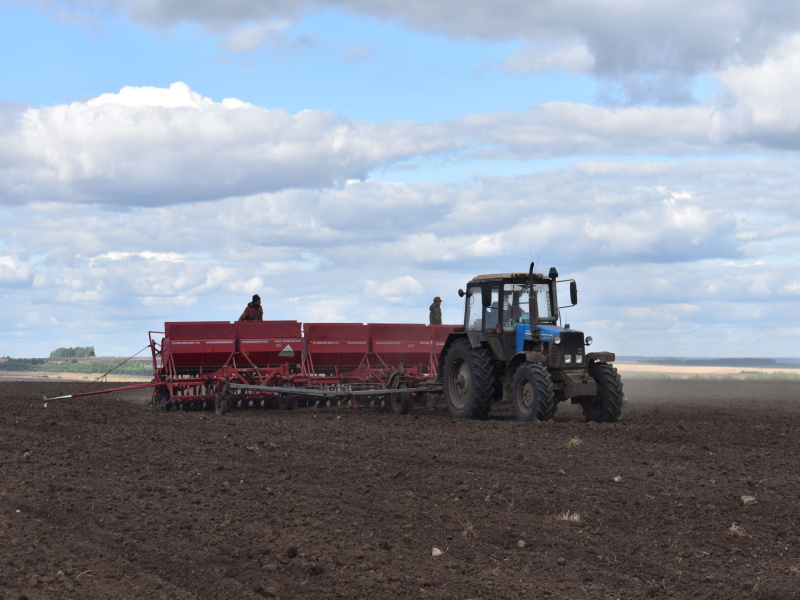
(567, 359)
(578, 359)
(557, 340)
(589, 340)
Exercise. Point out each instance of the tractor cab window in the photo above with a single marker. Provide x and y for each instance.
(543, 304)
(474, 319)
(492, 314)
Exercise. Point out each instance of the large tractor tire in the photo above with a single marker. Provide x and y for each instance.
(532, 396)
(606, 406)
(468, 381)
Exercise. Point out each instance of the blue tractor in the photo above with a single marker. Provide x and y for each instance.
(512, 347)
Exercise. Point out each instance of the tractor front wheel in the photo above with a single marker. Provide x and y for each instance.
(468, 381)
(606, 406)
(532, 396)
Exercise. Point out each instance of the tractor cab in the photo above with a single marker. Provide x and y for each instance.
(508, 311)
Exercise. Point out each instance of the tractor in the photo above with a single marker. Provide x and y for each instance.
(512, 347)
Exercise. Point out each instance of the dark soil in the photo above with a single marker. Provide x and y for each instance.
(103, 497)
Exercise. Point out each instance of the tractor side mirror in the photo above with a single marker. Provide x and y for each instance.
(573, 292)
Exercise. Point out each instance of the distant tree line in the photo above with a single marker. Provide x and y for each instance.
(46, 366)
(77, 352)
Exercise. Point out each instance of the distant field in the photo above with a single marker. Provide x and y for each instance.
(56, 376)
(627, 369)
(45, 369)
(655, 371)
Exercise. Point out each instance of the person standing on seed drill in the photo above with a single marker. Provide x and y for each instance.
(436, 311)
(253, 310)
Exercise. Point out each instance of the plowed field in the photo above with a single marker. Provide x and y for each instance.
(693, 494)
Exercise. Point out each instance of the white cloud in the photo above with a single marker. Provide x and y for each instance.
(145, 254)
(763, 100)
(401, 238)
(151, 146)
(644, 253)
(333, 310)
(663, 315)
(650, 49)
(171, 301)
(561, 128)
(252, 285)
(532, 58)
(13, 272)
(161, 146)
(251, 36)
(178, 95)
(396, 289)
(792, 287)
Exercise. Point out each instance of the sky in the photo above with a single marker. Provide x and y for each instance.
(348, 160)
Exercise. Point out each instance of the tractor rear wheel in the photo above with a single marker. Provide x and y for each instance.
(532, 396)
(606, 406)
(468, 381)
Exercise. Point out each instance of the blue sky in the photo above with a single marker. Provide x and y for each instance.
(355, 66)
(350, 160)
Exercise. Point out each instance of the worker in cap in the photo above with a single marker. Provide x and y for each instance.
(253, 310)
(436, 311)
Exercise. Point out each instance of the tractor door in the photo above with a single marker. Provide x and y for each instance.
(499, 334)
(473, 316)
(482, 308)
(488, 310)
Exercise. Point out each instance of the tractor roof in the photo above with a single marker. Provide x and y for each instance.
(496, 276)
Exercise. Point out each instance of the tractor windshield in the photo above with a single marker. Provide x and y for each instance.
(502, 305)
(516, 303)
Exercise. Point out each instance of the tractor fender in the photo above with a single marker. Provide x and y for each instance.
(474, 338)
(523, 357)
(605, 357)
(451, 338)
